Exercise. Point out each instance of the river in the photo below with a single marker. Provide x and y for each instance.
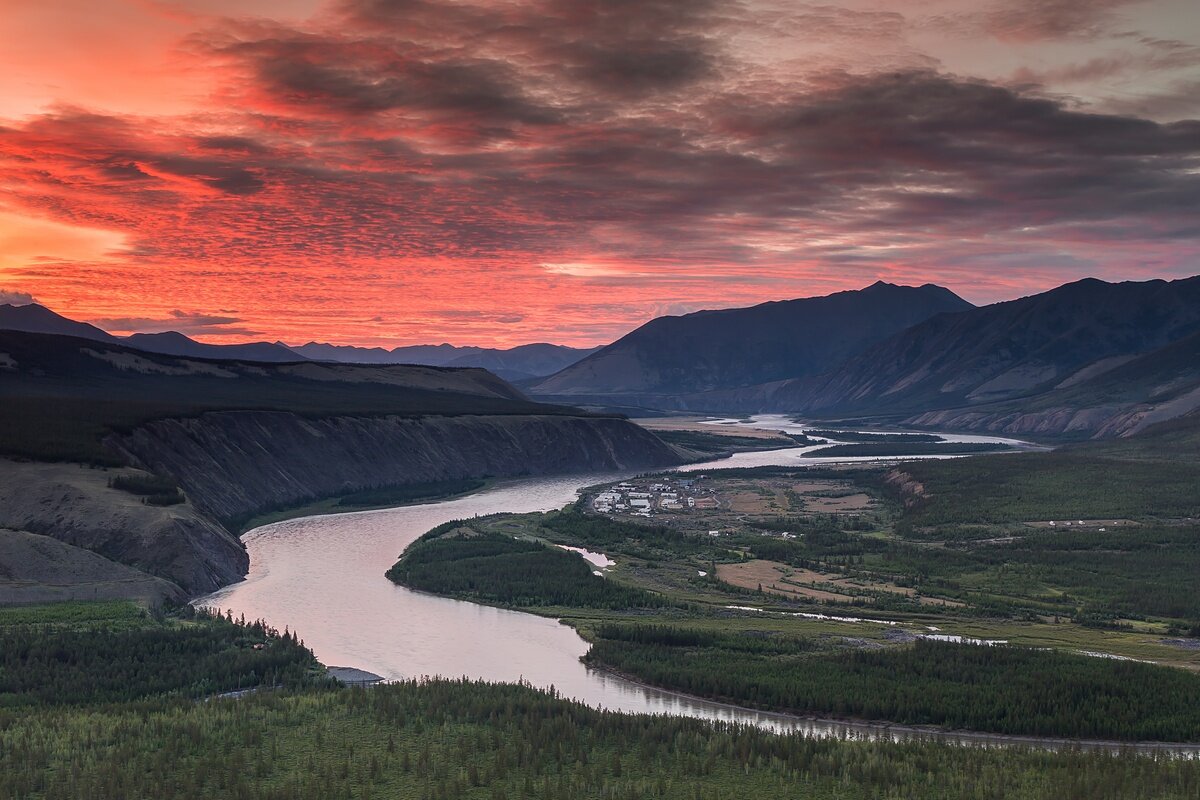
(323, 577)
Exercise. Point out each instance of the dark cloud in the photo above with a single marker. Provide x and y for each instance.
(15, 298)
(1036, 20)
(185, 322)
(551, 132)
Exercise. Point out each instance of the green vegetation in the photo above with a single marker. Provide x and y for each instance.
(888, 448)
(1002, 689)
(573, 526)
(409, 493)
(157, 490)
(497, 569)
(860, 436)
(115, 653)
(1061, 485)
(458, 739)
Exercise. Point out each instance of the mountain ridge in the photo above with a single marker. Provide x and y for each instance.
(732, 348)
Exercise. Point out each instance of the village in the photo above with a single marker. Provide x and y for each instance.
(656, 495)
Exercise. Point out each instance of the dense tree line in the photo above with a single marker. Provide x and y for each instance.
(885, 449)
(459, 739)
(409, 493)
(494, 568)
(862, 436)
(597, 532)
(57, 665)
(1000, 689)
(156, 490)
(1052, 486)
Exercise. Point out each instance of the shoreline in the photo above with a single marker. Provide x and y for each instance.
(880, 728)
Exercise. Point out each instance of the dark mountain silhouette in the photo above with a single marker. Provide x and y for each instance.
(518, 363)
(738, 347)
(176, 344)
(34, 318)
(1017, 349)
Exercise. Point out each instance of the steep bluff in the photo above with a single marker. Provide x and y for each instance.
(76, 506)
(233, 464)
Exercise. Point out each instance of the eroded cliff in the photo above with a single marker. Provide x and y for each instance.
(233, 464)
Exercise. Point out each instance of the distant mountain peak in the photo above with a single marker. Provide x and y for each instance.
(738, 347)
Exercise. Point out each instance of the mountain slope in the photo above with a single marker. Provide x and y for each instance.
(1121, 400)
(435, 355)
(1008, 350)
(33, 318)
(729, 348)
(524, 361)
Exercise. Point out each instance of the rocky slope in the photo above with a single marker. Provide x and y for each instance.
(238, 463)
(75, 505)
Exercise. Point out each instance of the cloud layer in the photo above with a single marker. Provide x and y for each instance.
(404, 170)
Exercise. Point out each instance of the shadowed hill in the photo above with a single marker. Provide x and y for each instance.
(1122, 399)
(1008, 350)
(63, 395)
(190, 448)
(729, 348)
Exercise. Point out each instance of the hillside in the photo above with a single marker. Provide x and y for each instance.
(729, 348)
(1119, 401)
(87, 426)
(1016, 349)
(63, 395)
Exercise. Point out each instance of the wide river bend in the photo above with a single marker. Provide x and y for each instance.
(323, 577)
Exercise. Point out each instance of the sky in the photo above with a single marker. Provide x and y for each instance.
(495, 172)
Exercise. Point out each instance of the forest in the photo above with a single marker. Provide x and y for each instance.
(121, 658)
(447, 739)
(903, 448)
(997, 688)
(1092, 483)
(500, 570)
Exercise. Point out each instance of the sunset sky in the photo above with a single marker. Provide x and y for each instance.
(411, 171)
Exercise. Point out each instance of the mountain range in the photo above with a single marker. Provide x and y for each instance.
(1086, 359)
(519, 363)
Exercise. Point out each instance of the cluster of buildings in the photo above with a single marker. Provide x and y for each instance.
(658, 495)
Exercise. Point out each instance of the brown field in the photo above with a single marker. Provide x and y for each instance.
(853, 502)
(770, 576)
(786, 581)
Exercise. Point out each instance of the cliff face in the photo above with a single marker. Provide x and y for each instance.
(233, 464)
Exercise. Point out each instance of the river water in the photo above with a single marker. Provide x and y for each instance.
(323, 577)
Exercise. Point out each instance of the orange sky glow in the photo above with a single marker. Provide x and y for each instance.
(495, 172)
